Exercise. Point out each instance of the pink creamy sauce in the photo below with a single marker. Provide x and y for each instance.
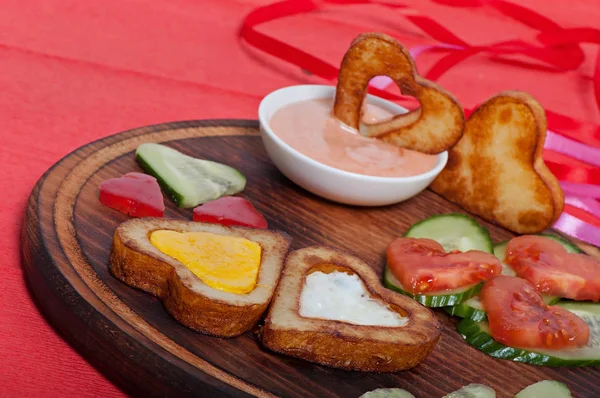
(309, 128)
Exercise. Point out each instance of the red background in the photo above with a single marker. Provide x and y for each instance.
(76, 71)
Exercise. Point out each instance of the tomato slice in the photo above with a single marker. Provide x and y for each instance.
(136, 194)
(552, 270)
(519, 318)
(421, 265)
(230, 210)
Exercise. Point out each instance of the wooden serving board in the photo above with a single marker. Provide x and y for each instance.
(128, 335)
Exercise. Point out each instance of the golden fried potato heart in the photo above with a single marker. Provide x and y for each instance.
(433, 128)
(496, 170)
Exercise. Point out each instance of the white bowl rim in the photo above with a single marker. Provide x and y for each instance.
(442, 157)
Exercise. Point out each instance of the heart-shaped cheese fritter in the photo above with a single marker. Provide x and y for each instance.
(433, 128)
(381, 341)
(496, 170)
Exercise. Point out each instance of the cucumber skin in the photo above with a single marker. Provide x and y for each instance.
(464, 311)
(432, 300)
(483, 341)
(171, 193)
(465, 217)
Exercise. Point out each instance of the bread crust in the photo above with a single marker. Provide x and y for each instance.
(136, 262)
(496, 170)
(340, 344)
(433, 128)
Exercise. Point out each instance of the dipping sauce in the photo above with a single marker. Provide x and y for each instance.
(309, 127)
(337, 296)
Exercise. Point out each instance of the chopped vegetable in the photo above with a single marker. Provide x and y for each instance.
(135, 194)
(552, 270)
(518, 317)
(230, 210)
(422, 266)
(187, 180)
(545, 389)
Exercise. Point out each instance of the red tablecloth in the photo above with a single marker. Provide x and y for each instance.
(75, 71)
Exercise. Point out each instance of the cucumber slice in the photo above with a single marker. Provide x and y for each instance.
(450, 297)
(473, 391)
(545, 389)
(188, 181)
(454, 231)
(477, 334)
(500, 252)
(570, 246)
(387, 393)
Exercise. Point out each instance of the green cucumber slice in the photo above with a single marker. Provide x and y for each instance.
(454, 231)
(473, 391)
(188, 181)
(545, 389)
(450, 297)
(387, 393)
(477, 334)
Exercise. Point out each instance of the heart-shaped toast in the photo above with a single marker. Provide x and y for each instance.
(330, 308)
(496, 170)
(432, 128)
(196, 304)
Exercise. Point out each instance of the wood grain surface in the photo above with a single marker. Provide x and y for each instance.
(129, 337)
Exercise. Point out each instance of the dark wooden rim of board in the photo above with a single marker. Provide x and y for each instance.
(77, 271)
(62, 280)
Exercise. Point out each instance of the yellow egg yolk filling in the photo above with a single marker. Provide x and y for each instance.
(222, 262)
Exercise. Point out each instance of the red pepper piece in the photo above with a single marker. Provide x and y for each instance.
(136, 194)
(230, 210)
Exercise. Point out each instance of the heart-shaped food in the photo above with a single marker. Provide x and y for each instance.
(422, 266)
(230, 210)
(331, 309)
(519, 318)
(136, 194)
(552, 270)
(433, 128)
(496, 170)
(214, 279)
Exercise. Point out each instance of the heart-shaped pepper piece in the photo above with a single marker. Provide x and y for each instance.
(230, 210)
(135, 194)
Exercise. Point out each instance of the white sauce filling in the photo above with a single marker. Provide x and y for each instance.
(338, 296)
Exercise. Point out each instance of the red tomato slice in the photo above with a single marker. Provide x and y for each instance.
(421, 265)
(230, 210)
(135, 194)
(519, 318)
(552, 270)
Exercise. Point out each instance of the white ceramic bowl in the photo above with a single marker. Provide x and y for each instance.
(326, 181)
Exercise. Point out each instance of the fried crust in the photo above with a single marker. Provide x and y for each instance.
(136, 262)
(340, 344)
(433, 128)
(496, 170)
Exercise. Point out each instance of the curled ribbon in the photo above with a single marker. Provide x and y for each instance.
(573, 145)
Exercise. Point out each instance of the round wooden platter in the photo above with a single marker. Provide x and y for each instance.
(129, 337)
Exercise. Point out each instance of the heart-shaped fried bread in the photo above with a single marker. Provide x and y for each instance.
(330, 308)
(496, 170)
(432, 128)
(195, 302)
